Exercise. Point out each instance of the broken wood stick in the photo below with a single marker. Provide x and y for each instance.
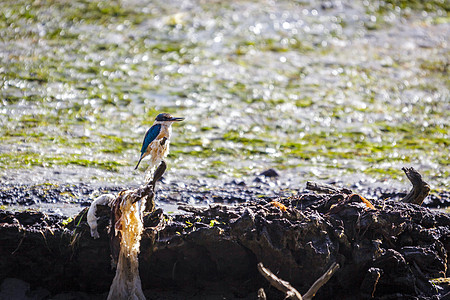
(149, 189)
(420, 188)
(321, 281)
(146, 192)
(289, 290)
(127, 225)
(283, 286)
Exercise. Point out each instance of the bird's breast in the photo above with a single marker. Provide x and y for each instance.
(164, 133)
(158, 149)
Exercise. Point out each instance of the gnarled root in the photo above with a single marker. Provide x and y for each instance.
(420, 188)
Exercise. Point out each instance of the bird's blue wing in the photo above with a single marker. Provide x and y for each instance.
(151, 134)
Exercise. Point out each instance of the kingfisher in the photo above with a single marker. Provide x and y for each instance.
(157, 139)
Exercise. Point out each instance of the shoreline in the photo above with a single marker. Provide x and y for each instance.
(68, 199)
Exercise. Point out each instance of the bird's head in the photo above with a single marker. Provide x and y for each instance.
(167, 118)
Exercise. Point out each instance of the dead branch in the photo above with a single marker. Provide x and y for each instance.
(149, 189)
(321, 281)
(127, 225)
(283, 286)
(290, 291)
(326, 188)
(420, 188)
(144, 192)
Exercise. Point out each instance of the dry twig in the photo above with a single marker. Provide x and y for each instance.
(289, 290)
(321, 281)
(284, 286)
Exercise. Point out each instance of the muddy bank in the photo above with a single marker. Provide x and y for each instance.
(68, 199)
(392, 251)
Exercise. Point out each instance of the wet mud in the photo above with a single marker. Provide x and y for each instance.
(394, 251)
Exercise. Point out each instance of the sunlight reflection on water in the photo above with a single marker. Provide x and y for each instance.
(313, 90)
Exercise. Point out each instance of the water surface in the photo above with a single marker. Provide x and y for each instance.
(334, 91)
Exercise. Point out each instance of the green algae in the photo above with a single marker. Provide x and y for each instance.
(420, 5)
(32, 159)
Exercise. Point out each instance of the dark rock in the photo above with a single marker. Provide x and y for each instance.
(438, 200)
(236, 182)
(16, 289)
(270, 173)
(260, 179)
(12, 288)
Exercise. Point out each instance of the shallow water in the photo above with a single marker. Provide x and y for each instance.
(335, 91)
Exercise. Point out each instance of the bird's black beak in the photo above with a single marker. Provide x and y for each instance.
(174, 119)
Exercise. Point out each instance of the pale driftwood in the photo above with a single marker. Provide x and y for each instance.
(326, 188)
(289, 290)
(321, 281)
(283, 286)
(420, 188)
(127, 225)
(126, 229)
(92, 219)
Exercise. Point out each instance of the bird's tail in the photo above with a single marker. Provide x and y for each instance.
(139, 162)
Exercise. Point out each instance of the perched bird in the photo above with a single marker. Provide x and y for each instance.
(157, 139)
